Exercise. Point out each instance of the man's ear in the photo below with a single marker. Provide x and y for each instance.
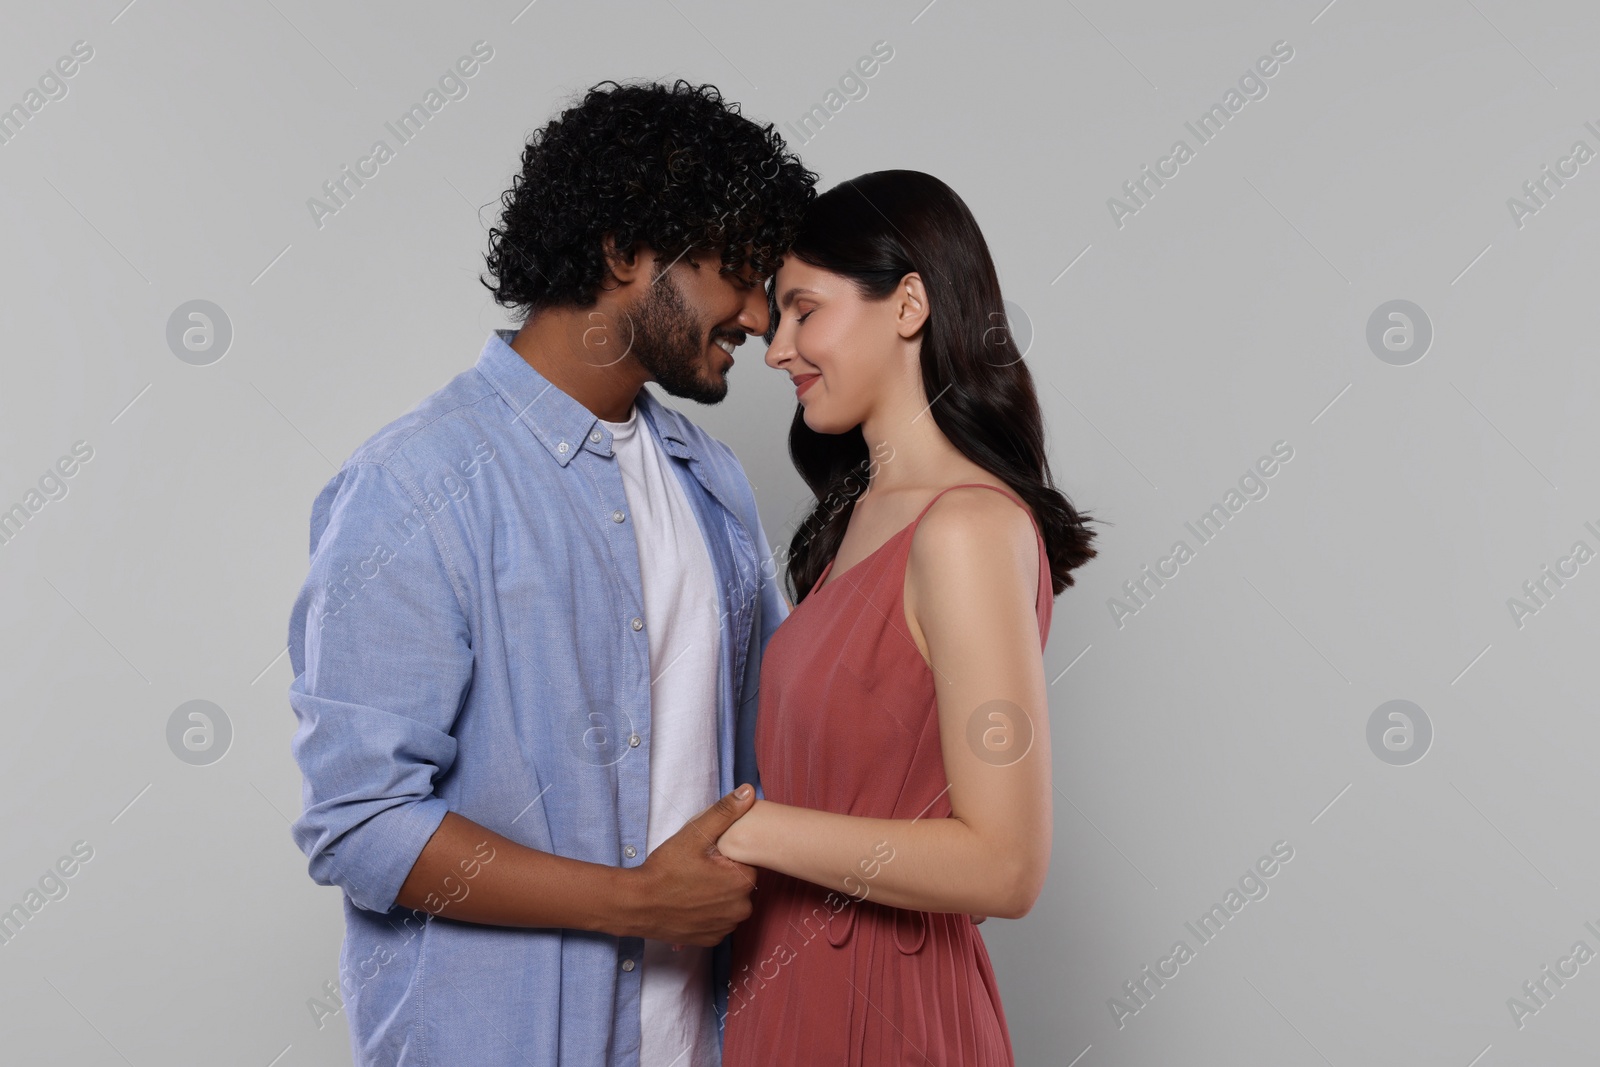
(911, 305)
(624, 266)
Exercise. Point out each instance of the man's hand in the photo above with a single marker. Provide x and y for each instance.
(685, 892)
(688, 893)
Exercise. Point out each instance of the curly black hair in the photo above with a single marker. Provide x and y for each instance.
(674, 168)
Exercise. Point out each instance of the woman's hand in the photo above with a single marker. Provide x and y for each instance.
(737, 841)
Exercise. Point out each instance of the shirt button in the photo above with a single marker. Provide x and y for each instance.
(633, 741)
(616, 516)
(629, 851)
(637, 624)
(627, 965)
(595, 436)
(561, 447)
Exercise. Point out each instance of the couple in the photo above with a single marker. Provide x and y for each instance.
(557, 746)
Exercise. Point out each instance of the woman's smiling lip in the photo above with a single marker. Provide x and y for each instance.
(802, 382)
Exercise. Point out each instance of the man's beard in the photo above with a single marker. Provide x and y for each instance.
(668, 342)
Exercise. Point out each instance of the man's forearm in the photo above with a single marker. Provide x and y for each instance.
(472, 874)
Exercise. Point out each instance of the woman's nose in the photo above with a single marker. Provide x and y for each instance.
(779, 351)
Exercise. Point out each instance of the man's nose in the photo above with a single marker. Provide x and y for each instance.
(753, 316)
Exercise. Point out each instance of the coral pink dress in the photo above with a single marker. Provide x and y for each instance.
(848, 723)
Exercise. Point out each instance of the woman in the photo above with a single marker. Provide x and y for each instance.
(903, 735)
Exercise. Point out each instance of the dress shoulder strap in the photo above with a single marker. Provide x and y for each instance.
(982, 485)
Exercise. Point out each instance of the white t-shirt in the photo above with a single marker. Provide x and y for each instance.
(682, 620)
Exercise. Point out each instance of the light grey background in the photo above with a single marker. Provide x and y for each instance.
(1228, 314)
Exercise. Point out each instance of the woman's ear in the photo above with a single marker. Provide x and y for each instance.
(911, 305)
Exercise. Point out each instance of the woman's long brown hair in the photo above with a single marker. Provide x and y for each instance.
(875, 230)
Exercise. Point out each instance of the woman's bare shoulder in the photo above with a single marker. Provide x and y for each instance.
(975, 534)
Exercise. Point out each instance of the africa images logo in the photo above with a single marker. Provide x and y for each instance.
(342, 188)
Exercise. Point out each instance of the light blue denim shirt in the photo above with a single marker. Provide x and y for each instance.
(471, 638)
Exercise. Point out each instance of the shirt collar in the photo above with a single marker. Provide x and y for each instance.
(560, 423)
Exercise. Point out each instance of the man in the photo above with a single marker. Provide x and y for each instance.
(526, 655)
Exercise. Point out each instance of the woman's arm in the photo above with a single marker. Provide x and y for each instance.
(971, 581)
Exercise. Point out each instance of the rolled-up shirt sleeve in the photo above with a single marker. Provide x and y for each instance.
(382, 657)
